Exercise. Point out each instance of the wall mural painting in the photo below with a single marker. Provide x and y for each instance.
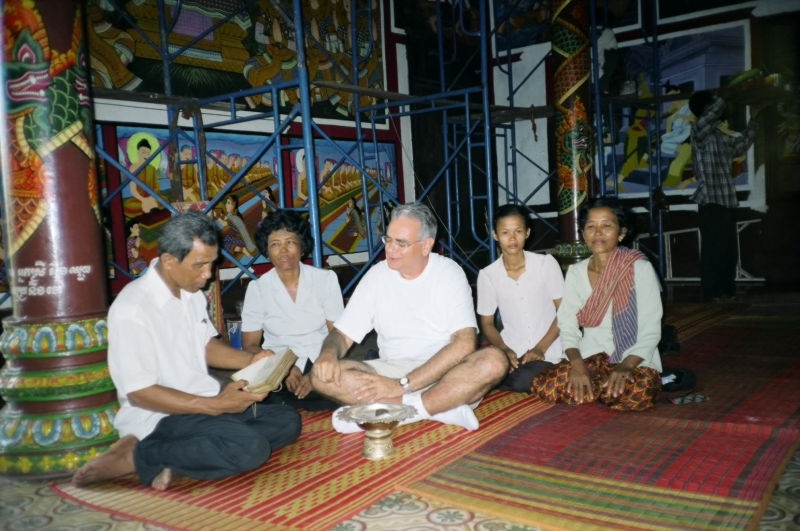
(705, 60)
(144, 214)
(240, 213)
(237, 215)
(255, 48)
(341, 202)
(521, 24)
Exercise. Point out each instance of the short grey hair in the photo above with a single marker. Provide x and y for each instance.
(421, 213)
(178, 235)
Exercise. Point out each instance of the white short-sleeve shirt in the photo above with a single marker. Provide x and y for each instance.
(415, 318)
(155, 338)
(526, 305)
(298, 324)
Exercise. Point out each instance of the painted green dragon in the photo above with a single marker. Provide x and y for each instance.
(573, 129)
(47, 106)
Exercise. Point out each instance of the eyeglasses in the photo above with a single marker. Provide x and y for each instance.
(402, 245)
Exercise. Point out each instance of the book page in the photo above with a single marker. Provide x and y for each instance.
(272, 370)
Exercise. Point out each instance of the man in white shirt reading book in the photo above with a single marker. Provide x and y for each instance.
(173, 417)
(420, 304)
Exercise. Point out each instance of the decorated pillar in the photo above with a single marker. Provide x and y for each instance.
(572, 95)
(60, 400)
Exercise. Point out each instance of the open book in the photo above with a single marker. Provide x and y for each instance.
(267, 373)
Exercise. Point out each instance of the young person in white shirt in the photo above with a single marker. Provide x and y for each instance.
(173, 417)
(291, 306)
(527, 289)
(420, 304)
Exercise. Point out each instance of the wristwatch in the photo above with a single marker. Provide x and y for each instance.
(405, 384)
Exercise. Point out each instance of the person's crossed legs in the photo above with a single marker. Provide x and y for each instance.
(197, 446)
(445, 401)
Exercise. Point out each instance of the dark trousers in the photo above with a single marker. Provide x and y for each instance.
(521, 379)
(312, 402)
(719, 252)
(215, 447)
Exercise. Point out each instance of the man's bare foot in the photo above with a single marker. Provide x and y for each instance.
(163, 480)
(116, 462)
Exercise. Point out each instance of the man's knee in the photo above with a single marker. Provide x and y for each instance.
(290, 422)
(316, 384)
(280, 427)
(279, 424)
(255, 452)
(493, 364)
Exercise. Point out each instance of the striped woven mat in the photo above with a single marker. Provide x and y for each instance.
(709, 465)
(692, 318)
(311, 485)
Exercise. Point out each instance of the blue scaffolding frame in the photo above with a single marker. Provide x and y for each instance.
(618, 107)
(469, 123)
(508, 132)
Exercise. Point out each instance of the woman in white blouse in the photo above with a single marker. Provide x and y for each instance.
(527, 289)
(291, 306)
(610, 320)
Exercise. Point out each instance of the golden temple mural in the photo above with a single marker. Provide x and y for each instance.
(255, 48)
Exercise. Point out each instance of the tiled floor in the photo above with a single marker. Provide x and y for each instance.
(31, 505)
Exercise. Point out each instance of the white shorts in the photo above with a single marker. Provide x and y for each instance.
(394, 368)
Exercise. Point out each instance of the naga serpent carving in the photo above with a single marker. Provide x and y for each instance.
(571, 80)
(47, 105)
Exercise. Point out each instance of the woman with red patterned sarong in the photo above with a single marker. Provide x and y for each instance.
(610, 320)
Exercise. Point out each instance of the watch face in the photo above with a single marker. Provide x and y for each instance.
(403, 381)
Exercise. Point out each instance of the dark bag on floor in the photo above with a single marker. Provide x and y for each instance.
(520, 380)
(685, 380)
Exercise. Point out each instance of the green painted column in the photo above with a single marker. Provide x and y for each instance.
(60, 400)
(574, 133)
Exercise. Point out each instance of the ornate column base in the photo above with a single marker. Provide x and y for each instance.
(60, 398)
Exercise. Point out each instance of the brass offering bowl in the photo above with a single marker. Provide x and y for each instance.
(378, 422)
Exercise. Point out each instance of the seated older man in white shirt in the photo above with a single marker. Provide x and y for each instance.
(173, 416)
(420, 304)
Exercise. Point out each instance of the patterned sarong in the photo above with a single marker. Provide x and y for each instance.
(552, 385)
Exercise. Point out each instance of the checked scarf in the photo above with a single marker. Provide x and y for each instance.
(615, 286)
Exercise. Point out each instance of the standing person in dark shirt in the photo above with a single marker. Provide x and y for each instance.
(713, 153)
